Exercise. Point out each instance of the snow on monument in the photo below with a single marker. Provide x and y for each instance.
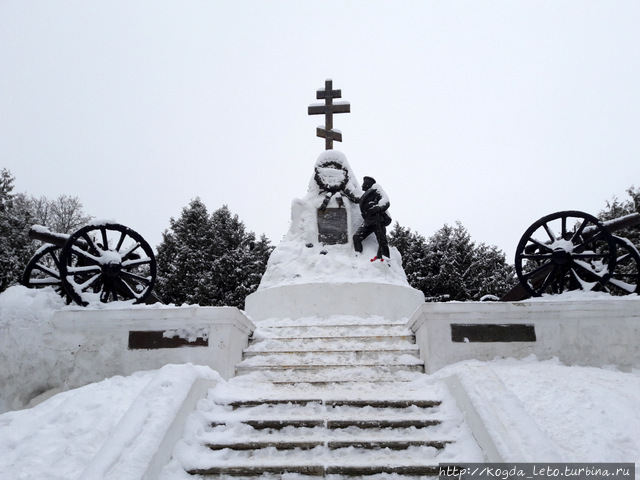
(319, 245)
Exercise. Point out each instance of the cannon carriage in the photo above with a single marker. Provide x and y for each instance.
(572, 250)
(101, 262)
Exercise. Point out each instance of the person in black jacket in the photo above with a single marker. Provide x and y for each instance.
(374, 204)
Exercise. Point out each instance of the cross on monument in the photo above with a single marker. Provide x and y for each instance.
(328, 109)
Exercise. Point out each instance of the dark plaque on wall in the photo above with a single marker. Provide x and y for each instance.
(156, 340)
(513, 332)
(332, 226)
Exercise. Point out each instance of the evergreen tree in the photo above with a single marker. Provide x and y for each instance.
(183, 254)
(15, 244)
(489, 274)
(449, 257)
(209, 259)
(627, 267)
(449, 265)
(412, 246)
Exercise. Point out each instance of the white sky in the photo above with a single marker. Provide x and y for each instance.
(491, 113)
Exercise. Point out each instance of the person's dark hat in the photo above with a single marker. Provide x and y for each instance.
(369, 180)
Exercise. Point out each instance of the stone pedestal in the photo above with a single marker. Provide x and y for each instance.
(362, 299)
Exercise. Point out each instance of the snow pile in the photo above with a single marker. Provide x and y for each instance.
(300, 258)
(31, 360)
(588, 414)
(293, 263)
(37, 360)
(591, 414)
(95, 428)
(58, 438)
(581, 296)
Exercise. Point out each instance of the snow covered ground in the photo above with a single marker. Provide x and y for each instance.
(590, 414)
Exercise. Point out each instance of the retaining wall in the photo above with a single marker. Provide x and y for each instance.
(123, 341)
(591, 333)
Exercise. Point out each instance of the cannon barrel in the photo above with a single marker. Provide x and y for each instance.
(38, 232)
(621, 223)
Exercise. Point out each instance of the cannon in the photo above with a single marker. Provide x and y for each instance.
(102, 262)
(572, 250)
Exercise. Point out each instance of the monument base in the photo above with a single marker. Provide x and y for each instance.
(325, 299)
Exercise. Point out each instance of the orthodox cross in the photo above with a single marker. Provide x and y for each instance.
(328, 109)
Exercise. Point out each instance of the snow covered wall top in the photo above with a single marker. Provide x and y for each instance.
(300, 258)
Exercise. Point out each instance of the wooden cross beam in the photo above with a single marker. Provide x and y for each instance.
(328, 109)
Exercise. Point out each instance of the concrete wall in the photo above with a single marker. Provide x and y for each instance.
(325, 299)
(100, 339)
(592, 333)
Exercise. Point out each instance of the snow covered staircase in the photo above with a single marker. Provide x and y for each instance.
(339, 398)
(332, 350)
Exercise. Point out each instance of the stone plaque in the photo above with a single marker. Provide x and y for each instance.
(332, 226)
(156, 339)
(512, 332)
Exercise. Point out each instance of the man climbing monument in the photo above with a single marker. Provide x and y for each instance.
(374, 204)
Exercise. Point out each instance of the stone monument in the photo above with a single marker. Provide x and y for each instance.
(332, 172)
(315, 269)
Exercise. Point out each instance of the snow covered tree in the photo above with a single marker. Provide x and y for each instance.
(64, 214)
(449, 258)
(6, 187)
(413, 248)
(489, 273)
(616, 208)
(449, 265)
(15, 244)
(209, 259)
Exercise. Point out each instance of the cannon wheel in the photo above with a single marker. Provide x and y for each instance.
(43, 270)
(626, 276)
(563, 251)
(105, 263)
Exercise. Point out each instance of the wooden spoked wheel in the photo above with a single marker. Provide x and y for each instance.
(626, 276)
(568, 250)
(43, 270)
(107, 262)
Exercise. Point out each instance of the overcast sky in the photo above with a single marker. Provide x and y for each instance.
(492, 113)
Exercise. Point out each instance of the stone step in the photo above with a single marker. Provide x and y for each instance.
(331, 445)
(334, 321)
(319, 383)
(333, 330)
(320, 413)
(355, 409)
(410, 349)
(347, 374)
(338, 403)
(337, 372)
(372, 371)
(342, 338)
(318, 470)
(359, 343)
(329, 358)
(303, 362)
(261, 424)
